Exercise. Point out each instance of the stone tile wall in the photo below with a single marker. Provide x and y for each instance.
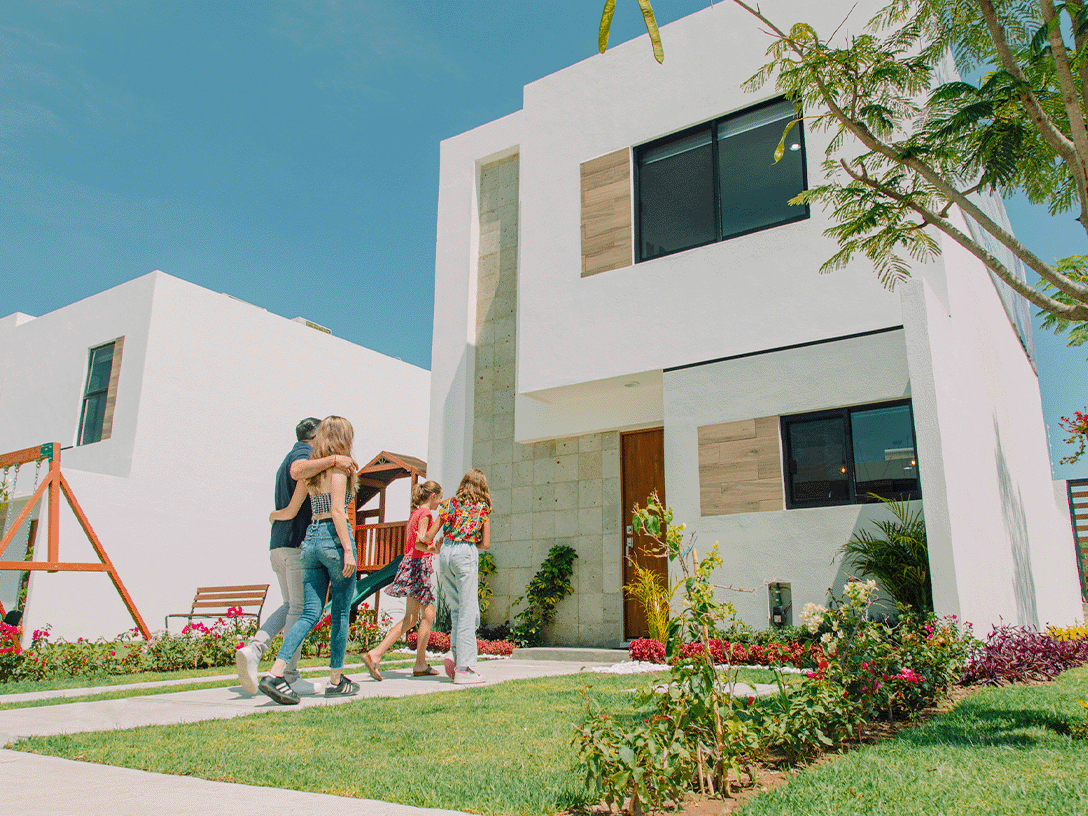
(563, 491)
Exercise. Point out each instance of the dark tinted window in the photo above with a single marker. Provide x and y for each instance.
(676, 205)
(755, 191)
(94, 395)
(719, 180)
(843, 456)
(818, 460)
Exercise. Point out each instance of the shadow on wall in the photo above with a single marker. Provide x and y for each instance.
(1012, 512)
(884, 603)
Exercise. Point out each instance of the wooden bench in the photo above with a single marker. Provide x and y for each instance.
(214, 601)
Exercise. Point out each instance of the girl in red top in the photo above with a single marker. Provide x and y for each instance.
(413, 581)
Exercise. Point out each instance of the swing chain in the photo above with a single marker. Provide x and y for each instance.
(37, 470)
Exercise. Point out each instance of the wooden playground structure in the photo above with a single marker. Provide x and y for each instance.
(55, 483)
(377, 541)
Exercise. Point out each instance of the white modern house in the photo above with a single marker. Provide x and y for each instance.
(174, 405)
(629, 304)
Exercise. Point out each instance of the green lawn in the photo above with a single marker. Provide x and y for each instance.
(1002, 751)
(500, 749)
(504, 749)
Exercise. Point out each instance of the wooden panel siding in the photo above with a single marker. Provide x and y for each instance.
(606, 213)
(111, 393)
(740, 467)
(1078, 509)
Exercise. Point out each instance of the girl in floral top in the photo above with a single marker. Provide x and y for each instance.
(465, 522)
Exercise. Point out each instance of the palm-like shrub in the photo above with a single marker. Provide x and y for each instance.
(896, 554)
(654, 595)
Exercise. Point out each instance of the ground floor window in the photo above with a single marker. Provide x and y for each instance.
(845, 455)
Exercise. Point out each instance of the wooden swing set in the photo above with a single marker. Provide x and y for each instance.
(56, 484)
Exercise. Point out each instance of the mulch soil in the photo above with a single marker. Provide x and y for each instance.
(772, 773)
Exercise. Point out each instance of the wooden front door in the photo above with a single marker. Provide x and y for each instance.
(642, 472)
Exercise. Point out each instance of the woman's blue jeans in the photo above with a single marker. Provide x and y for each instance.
(459, 574)
(322, 565)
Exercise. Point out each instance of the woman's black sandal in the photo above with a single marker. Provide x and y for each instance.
(345, 688)
(278, 689)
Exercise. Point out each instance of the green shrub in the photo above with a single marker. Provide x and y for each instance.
(898, 557)
(549, 586)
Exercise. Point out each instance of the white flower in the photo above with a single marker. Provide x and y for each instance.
(813, 616)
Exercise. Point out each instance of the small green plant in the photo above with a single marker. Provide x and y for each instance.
(645, 762)
(487, 569)
(654, 595)
(549, 586)
(801, 723)
(898, 557)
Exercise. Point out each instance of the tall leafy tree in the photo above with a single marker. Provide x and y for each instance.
(913, 140)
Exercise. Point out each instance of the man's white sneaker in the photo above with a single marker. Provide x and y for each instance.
(467, 678)
(245, 661)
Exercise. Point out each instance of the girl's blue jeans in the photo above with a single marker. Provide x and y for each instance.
(322, 565)
(459, 573)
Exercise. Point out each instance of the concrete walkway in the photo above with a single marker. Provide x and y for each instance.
(47, 786)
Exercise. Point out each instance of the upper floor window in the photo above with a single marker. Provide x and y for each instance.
(100, 392)
(844, 455)
(719, 180)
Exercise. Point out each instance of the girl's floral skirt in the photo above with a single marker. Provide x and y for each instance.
(413, 579)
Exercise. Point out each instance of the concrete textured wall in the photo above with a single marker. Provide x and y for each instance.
(545, 493)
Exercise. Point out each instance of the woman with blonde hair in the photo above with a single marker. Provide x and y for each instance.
(327, 561)
(466, 525)
(413, 580)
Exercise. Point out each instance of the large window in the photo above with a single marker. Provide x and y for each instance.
(100, 393)
(843, 456)
(719, 180)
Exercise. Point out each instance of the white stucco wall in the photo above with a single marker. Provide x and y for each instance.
(1001, 548)
(757, 291)
(793, 546)
(208, 400)
(582, 343)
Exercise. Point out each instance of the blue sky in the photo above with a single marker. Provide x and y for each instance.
(287, 152)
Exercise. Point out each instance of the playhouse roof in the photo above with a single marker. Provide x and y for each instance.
(384, 468)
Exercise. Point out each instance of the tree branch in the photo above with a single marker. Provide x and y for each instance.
(1070, 98)
(1062, 145)
(1055, 307)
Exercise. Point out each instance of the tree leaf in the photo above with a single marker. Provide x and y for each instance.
(606, 25)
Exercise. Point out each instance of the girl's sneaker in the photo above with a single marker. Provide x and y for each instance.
(345, 688)
(467, 678)
(447, 664)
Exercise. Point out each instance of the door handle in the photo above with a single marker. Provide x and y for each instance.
(629, 540)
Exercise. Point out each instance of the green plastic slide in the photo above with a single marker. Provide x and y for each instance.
(373, 582)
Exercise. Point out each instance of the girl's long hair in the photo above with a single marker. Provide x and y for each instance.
(334, 436)
(422, 492)
(473, 488)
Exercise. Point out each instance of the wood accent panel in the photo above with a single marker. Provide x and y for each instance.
(740, 467)
(607, 237)
(111, 393)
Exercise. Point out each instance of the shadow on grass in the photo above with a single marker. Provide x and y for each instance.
(981, 723)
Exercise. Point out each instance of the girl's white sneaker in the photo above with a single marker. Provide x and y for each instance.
(467, 678)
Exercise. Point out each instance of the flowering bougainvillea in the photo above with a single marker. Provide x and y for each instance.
(1077, 428)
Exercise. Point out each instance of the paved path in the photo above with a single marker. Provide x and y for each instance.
(47, 786)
